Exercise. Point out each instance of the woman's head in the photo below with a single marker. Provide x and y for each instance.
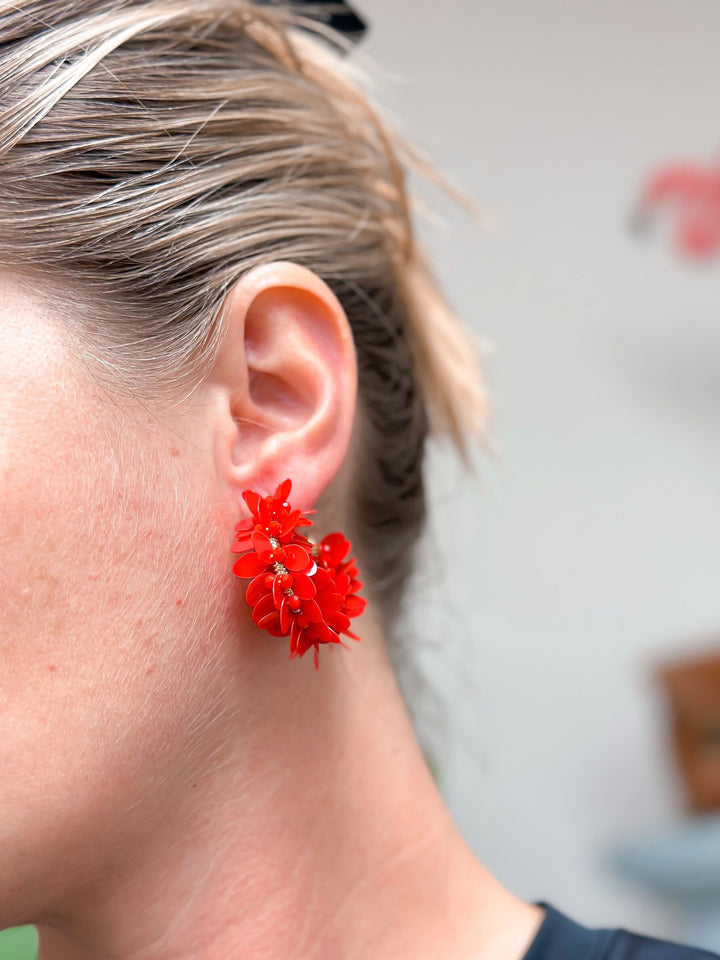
(209, 283)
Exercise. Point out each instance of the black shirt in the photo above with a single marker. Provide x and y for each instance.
(560, 938)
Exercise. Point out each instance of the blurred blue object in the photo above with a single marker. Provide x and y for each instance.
(683, 865)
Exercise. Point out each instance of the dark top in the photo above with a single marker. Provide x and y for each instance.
(560, 938)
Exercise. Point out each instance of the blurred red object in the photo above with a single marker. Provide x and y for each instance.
(693, 194)
(693, 690)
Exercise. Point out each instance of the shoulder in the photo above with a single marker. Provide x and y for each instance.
(560, 938)
(631, 946)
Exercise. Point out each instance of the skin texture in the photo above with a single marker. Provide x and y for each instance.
(173, 785)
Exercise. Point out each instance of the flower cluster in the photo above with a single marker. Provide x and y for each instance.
(297, 588)
(693, 192)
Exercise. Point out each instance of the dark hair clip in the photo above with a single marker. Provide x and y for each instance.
(339, 16)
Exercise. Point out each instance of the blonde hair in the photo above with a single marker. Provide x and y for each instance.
(152, 151)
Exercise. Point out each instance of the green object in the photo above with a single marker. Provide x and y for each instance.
(19, 943)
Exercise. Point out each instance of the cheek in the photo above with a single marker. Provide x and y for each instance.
(100, 565)
(64, 527)
(105, 560)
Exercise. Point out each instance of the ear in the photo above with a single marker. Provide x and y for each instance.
(284, 384)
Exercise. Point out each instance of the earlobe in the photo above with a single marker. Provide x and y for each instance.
(284, 383)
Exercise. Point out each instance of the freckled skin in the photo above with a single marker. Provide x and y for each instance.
(94, 572)
(177, 788)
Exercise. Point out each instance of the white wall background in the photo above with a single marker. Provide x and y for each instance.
(592, 548)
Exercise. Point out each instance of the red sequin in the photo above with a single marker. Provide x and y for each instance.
(297, 589)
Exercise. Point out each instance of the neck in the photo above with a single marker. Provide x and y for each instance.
(318, 835)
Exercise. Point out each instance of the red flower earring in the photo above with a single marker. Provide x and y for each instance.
(299, 589)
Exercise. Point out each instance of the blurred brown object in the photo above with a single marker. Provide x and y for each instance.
(693, 690)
